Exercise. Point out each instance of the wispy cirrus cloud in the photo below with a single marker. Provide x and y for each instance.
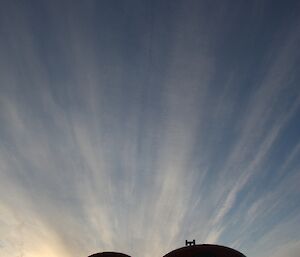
(132, 129)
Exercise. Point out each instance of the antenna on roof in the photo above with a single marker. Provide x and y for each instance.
(190, 243)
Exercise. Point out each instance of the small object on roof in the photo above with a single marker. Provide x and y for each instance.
(190, 243)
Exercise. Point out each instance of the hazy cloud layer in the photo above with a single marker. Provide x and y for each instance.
(134, 125)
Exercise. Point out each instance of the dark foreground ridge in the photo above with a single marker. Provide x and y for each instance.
(203, 250)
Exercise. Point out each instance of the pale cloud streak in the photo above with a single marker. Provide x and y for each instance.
(103, 152)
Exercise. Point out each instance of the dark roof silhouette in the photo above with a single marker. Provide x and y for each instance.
(205, 250)
(109, 254)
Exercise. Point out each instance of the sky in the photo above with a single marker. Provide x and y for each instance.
(132, 126)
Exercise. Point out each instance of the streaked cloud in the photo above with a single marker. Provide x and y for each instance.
(134, 126)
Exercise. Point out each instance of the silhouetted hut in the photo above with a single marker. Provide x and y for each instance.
(205, 250)
(109, 254)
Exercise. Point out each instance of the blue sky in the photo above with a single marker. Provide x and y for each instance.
(132, 126)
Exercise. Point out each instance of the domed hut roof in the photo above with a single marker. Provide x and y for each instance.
(109, 254)
(205, 250)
